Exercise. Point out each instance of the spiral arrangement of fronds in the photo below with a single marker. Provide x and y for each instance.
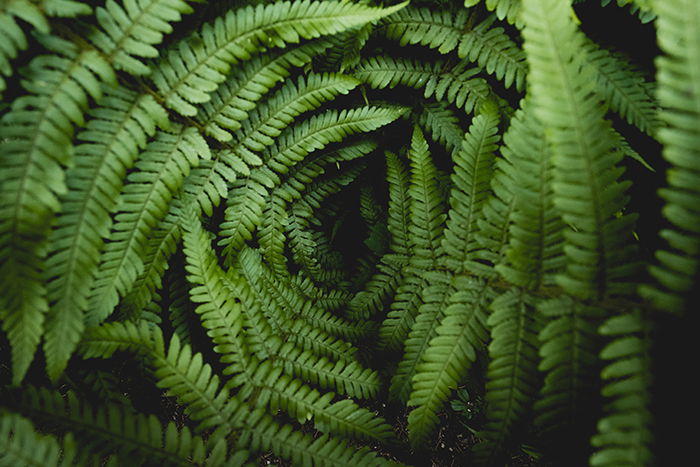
(236, 228)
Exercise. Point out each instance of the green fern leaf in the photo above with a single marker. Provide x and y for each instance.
(240, 93)
(625, 433)
(35, 143)
(21, 445)
(510, 10)
(624, 88)
(161, 169)
(441, 122)
(427, 210)
(456, 85)
(113, 428)
(244, 213)
(437, 29)
(569, 343)
(195, 66)
(535, 252)
(471, 176)
(675, 273)
(110, 144)
(262, 433)
(512, 377)
(494, 51)
(448, 356)
(134, 29)
(586, 190)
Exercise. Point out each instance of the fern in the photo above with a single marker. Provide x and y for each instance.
(246, 230)
(36, 145)
(457, 85)
(595, 244)
(676, 271)
(137, 437)
(133, 30)
(161, 168)
(118, 129)
(193, 69)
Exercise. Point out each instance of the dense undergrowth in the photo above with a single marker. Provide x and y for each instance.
(344, 233)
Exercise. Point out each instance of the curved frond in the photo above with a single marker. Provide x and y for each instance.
(457, 84)
(623, 88)
(244, 213)
(35, 145)
(132, 31)
(437, 29)
(109, 145)
(113, 429)
(240, 93)
(145, 199)
(494, 51)
(441, 122)
(194, 67)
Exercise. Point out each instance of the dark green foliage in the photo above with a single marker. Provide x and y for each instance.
(242, 229)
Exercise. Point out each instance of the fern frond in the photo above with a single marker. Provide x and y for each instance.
(398, 219)
(623, 88)
(435, 298)
(449, 354)
(510, 10)
(676, 272)
(109, 145)
(437, 29)
(261, 433)
(112, 428)
(344, 52)
(440, 121)
(138, 337)
(625, 434)
(160, 171)
(244, 212)
(271, 237)
(494, 51)
(535, 252)
(12, 37)
(569, 344)
(194, 67)
(270, 118)
(457, 85)
(344, 418)
(512, 377)
(642, 8)
(586, 190)
(35, 143)
(185, 375)
(471, 176)
(21, 445)
(403, 309)
(381, 288)
(240, 93)
(345, 377)
(427, 211)
(132, 31)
